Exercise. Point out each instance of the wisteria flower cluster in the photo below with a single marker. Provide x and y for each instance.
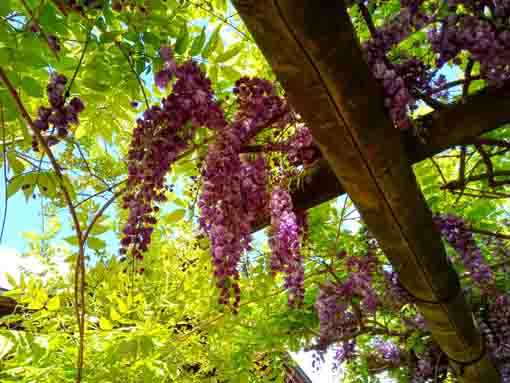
(456, 232)
(487, 39)
(398, 81)
(398, 296)
(234, 190)
(338, 318)
(388, 351)
(301, 148)
(161, 135)
(285, 244)
(59, 114)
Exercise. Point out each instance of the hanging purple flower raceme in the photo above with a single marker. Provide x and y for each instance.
(389, 352)
(59, 115)
(487, 39)
(254, 192)
(398, 296)
(235, 185)
(222, 213)
(455, 231)
(160, 136)
(301, 148)
(360, 281)
(499, 322)
(285, 244)
(336, 320)
(54, 44)
(431, 361)
(346, 351)
(399, 81)
(415, 322)
(334, 304)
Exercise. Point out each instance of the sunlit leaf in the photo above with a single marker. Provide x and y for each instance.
(210, 46)
(105, 323)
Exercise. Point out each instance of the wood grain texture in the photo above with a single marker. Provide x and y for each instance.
(448, 128)
(312, 48)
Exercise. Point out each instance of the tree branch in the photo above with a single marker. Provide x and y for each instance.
(80, 261)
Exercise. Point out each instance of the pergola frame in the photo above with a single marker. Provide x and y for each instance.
(315, 53)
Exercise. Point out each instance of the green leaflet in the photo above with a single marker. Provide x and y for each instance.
(182, 41)
(198, 43)
(212, 43)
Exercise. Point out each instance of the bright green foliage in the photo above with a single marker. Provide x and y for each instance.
(150, 321)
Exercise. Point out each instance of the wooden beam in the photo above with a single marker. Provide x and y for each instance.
(7, 306)
(315, 54)
(450, 127)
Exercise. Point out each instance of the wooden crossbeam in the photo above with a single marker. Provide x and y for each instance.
(315, 54)
(453, 126)
(7, 306)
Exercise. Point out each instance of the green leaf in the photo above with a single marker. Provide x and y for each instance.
(182, 41)
(66, 181)
(212, 43)
(222, 5)
(122, 306)
(38, 300)
(95, 243)
(175, 216)
(5, 346)
(94, 84)
(230, 53)
(54, 303)
(105, 323)
(11, 280)
(14, 185)
(99, 229)
(5, 7)
(29, 186)
(198, 43)
(140, 65)
(213, 73)
(46, 184)
(12, 293)
(16, 165)
(32, 87)
(114, 314)
(73, 240)
(230, 73)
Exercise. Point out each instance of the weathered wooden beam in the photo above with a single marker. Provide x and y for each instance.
(7, 306)
(450, 127)
(313, 50)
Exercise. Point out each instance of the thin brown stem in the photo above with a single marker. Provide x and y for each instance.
(222, 19)
(457, 184)
(489, 233)
(80, 261)
(488, 164)
(138, 79)
(452, 84)
(101, 192)
(368, 19)
(438, 168)
(4, 152)
(100, 212)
